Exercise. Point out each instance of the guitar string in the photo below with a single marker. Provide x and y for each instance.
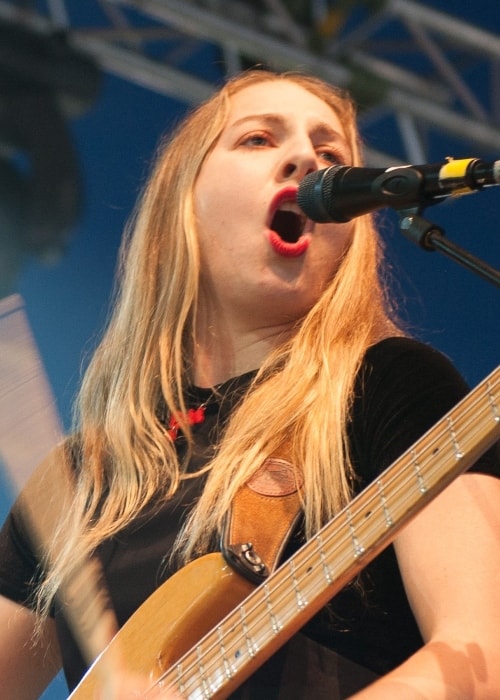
(205, 657)
(257, 614)
(260, 605)
(259, 608)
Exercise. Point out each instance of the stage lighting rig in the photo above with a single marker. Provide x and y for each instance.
(44, 82)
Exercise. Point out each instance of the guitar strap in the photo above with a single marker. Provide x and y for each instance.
(262, 518)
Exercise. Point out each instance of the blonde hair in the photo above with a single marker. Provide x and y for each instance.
(302, 395)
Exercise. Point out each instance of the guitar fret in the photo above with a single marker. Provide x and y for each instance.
(492, 402)
(358, 547)
(326, 568)
(322, 567)
(420, 479)
(180, 678)
(276, 625)
(454, 441)
(252, 646)
(301, 600)
(206, 689)
(228, 668)
(387, 513)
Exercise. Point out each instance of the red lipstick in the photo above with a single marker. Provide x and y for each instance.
(286, 224)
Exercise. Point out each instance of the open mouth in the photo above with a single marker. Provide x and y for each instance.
(288, 222)
(287, 226)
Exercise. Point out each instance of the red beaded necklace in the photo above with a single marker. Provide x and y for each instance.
(192, 417)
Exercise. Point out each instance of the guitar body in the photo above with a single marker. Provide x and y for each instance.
(207, 628)
(172, 620)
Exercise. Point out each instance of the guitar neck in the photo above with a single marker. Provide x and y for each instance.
(280, 606)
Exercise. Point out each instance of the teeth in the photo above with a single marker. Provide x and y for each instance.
(294, 208)
(290, 206)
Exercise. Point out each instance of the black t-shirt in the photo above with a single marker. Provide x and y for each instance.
(403, 388)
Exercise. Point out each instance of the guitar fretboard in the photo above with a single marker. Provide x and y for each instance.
(307, 581)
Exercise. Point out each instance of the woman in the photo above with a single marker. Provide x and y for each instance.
(243, 332)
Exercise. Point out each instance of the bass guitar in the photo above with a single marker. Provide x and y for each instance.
(207, 629)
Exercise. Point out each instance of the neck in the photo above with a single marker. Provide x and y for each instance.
(222, 353)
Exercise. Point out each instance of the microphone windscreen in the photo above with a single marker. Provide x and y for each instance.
(312, 196)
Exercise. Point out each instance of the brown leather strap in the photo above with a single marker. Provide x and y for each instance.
(262, 518)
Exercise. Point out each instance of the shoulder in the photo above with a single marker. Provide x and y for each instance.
(52, 476)
(46, 496)
(403, 369)
(403, 388)
(407, 357)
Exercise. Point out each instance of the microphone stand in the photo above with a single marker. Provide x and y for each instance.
(431, 238)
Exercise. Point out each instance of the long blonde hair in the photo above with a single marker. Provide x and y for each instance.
(302, 395)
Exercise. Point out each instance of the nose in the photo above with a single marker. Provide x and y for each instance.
(299, 161)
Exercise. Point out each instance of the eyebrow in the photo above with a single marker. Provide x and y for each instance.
(322, 128)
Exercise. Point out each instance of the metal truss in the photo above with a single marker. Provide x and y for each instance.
(422, 74)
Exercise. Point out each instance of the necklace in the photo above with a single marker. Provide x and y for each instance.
(192, 417)
(227, 391)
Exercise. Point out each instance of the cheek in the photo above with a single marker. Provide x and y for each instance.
(218, 196)
(337, 237)
(205, 204)
(208, 190)
(213, 224)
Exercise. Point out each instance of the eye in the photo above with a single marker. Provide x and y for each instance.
(258, 139)
(332, 157)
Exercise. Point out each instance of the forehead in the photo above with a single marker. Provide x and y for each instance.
(284, 98)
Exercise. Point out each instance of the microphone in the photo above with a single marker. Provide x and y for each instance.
(340, 193)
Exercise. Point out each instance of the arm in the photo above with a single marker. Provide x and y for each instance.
(26, 667)
(449, 557)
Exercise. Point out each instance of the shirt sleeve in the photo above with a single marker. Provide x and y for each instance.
(404, 388)
(19, 569)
